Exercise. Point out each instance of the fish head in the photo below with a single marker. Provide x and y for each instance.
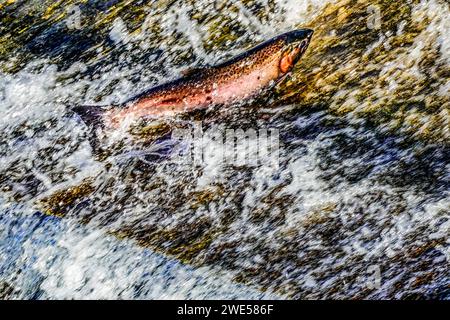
(294, 45)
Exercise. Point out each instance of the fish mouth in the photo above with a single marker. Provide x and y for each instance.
(299, 41)
(296, 43)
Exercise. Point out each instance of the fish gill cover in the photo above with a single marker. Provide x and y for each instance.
(357, 206)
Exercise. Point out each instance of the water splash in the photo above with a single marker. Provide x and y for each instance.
(346, 197)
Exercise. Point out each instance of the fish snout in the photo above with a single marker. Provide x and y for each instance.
(298, 41)
(298, 36)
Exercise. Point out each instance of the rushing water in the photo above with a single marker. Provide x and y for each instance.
(357, 205)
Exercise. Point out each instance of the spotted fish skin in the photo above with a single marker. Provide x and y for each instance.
(226, 83)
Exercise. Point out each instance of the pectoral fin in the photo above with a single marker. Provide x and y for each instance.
(283, 78)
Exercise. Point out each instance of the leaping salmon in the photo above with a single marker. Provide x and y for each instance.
(235, 80)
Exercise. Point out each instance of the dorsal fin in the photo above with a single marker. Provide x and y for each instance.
(195, 70)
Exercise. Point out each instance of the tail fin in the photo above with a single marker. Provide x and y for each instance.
(92, 116)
